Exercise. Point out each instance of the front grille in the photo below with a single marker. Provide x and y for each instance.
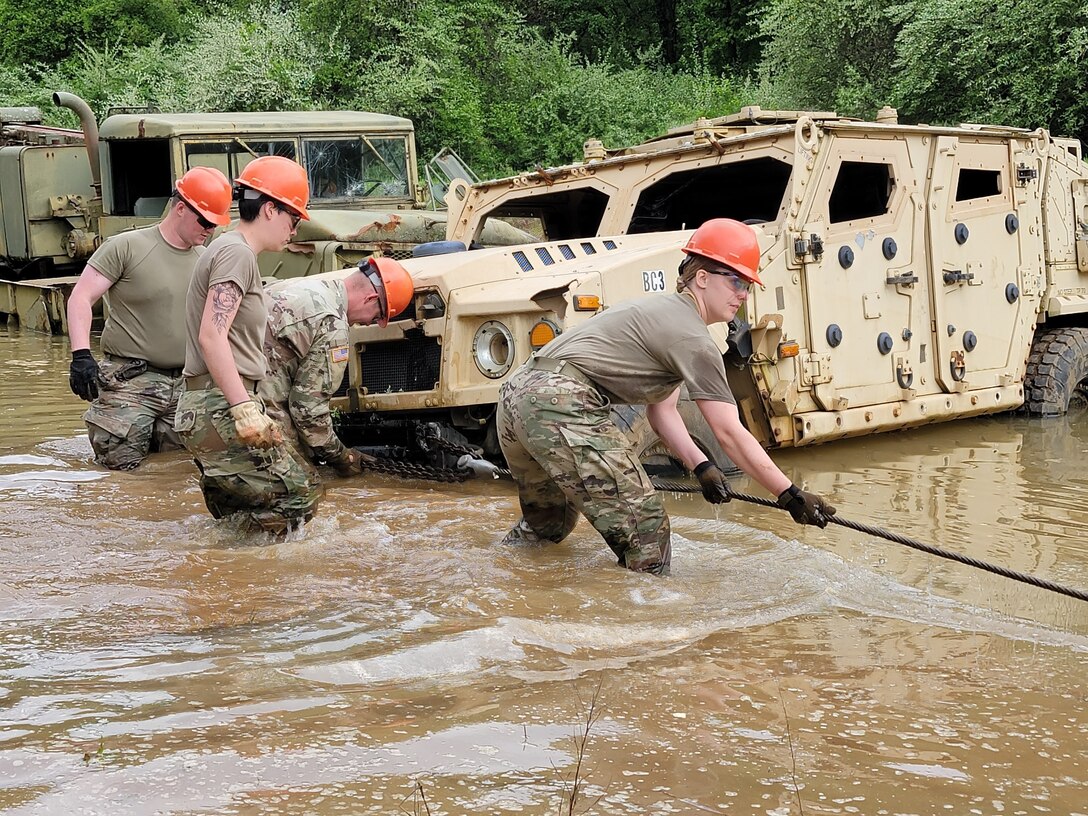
(411, 364)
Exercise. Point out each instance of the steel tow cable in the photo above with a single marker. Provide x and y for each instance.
(878, 532)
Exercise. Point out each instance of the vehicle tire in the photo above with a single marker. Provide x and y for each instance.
(1056, 380)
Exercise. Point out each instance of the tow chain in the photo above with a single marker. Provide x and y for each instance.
(411, 470)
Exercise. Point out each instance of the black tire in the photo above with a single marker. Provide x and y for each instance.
(1056, 381)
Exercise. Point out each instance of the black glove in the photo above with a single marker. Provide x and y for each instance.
(83, 375)
(806, 508)
(715, 487)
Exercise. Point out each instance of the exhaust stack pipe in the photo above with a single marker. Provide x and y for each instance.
(90, 132)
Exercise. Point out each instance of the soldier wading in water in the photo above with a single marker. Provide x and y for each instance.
(307, 350)
(245, 465)
(567, 455)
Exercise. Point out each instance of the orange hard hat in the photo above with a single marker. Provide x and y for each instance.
(207, 191)
(730, 243)
(394, 285)
(279, 178)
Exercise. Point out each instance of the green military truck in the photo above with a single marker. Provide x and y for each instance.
(64, 191)
(913, 274)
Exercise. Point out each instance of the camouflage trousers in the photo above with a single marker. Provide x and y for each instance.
(132, 418)
(568, 457)
(275, 488)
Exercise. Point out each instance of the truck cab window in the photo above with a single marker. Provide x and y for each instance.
(364, 167)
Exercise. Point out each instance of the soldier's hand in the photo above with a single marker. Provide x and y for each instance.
(715, 487)
(806, 508)
(351, 462)
(254, 427)
(83, 375)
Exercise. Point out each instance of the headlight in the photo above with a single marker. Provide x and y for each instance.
(493, 349)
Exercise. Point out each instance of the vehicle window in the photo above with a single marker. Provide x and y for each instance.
(749, 190)
(862, 190)
(977, 184)
(231, 156)
(140, 176)
(558, 216)
(363, 167)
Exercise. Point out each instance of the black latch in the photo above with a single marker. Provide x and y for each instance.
(903, 279)
(1024, 174)
(813, 245)
(957, 276)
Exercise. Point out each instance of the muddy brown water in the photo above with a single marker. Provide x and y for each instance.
(392, 658)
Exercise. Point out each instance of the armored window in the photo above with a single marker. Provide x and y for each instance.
(862, 190)
(554, 216)
(363, 167)
(231, 155)
(977, 184)
(140, 177)
(749, 190)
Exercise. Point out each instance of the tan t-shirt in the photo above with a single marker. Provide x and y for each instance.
(229, 260)
(146, 298)
(641, 351)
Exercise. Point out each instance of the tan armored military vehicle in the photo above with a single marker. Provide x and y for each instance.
(62, 193)
(913, 274)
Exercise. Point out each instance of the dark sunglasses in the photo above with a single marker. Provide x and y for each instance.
(736, 281)
(371, 271)
(200, 219)
(283, 208)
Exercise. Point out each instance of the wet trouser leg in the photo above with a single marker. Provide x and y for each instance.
(273, 487)
(130, 418)
(565, 452)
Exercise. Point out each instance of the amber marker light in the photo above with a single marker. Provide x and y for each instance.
(542, 333)
(586, 303)
(790, 348)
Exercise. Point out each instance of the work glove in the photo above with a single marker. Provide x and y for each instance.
(83, 375)
(715, 487)
(254, 427)
(806, 508)
(351, 462)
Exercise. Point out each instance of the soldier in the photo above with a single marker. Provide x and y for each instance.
(245, 465)
(568, 457)
(307, 349)
(144, 275)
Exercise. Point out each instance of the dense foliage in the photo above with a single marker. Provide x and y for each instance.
(514, 84)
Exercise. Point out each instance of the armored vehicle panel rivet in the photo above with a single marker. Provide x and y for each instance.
(1012, 293)
(889, 248)
(1012, 223)
(951, 329)
(834, 335)
(846, 257)
(962, 233)
(907, 334)
(969, 341)
(884, 343)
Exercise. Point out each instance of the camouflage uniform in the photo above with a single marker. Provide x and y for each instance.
(132, 415)
(275, 486)
(307, 350)
(568, 456)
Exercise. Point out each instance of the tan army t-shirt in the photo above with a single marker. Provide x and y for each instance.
(640, 352)
(146, 298)
(229, 259)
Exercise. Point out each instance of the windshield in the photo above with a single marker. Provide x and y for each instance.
(360, 167)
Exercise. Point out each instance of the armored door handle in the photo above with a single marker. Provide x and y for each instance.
(957, 276)
(903, 279)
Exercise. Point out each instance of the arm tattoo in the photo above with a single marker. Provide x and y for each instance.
(225, 299)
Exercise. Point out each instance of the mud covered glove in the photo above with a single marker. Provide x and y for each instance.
(83, 375)
(350, 462)
(806, 508)
(255, 428)
(715, 487)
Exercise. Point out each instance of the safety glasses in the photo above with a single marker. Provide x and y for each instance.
(283, 208)
(738, 283)
(371, 272)
(200, 219)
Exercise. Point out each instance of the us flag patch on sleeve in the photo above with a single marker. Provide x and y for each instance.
(339, 354)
